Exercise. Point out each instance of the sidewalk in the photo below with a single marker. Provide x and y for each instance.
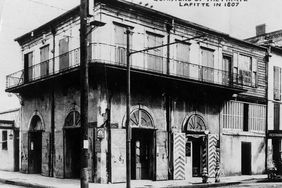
(38, 181)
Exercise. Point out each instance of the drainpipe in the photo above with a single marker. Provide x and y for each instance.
(268, 55)
(168, 107)
(52, 139)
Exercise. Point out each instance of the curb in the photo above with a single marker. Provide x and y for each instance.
(25, 184)
(202, 185)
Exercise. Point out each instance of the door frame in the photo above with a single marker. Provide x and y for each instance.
(29, 149)
(249, 148)
(154, 148)
(65, 148)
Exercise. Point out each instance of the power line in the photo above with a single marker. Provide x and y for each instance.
(45, 4)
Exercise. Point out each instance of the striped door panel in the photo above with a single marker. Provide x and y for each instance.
(212, 154)
(179, 156)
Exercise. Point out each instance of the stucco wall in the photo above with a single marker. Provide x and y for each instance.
(231, 153)
(7, 156)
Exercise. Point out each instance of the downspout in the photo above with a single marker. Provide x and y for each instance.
(266, 117)
(168, 107)
(52, 139)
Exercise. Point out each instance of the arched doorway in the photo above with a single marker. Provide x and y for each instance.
(72, 145)
(142, 145)
(196, 131)
(35, 145)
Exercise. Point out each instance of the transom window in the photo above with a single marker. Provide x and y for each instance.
(72, 119)
(195, 123)
(141, 118)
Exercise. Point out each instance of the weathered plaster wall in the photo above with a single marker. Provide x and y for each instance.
(7, 156)
(231, 153)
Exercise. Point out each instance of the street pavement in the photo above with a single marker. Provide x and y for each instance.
(2, 185)
(39, 181)
(257, 185)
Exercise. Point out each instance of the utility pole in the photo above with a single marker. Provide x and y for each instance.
(128, 128)
(84, 89)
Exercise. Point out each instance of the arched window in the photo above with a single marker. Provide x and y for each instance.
(72, 119)
(141, 118)
(35, 123)
(195, 123)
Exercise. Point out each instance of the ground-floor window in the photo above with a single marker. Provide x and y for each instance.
(4, 140)
(244, 116)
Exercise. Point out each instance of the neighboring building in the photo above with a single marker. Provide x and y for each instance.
(273, 41)
(9, 139)
(197, 104)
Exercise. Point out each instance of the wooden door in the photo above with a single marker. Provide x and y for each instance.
(59, 155)
(24, 152)
(207, 65)
(226, 67)
(46, 154)
(155, 59)
(44, 61)
(16, 150)
(35, 149)
(121, 44)
(189, 154)
(118, 155)
(28, 67)
(64, 53)
(161, 155)
(246, 158)
(183, 57)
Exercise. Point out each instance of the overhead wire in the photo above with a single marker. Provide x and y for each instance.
(48, 5)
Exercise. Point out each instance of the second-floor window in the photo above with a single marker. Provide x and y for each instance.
(226, 67)
(28, 63)
(121, 43)
(44, 61)
(182, 59)
(63, 53)
(155, 57)
(247, 70)
(276, 83)
(207, 57)
(276, 116)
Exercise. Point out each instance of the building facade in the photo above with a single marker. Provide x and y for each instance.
(9, 139)
(196, 105)
(273, 41)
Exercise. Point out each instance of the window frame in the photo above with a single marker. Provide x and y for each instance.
(5, 141)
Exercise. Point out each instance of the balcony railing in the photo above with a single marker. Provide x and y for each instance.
(116, 55)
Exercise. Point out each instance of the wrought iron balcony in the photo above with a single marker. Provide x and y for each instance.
(116, 55)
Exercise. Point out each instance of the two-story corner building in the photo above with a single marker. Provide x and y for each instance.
(273, 41)
(9, 140)
(197, 104)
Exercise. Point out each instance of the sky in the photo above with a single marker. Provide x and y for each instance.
(18, 17)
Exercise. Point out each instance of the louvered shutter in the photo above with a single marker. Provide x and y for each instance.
(59, 155)
(162, 155)
(24, 152)
(45, 165)
(118, 155)
(276, 84)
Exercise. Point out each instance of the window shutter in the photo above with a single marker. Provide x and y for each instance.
(276, 116)
(254, 72)
(276, 84)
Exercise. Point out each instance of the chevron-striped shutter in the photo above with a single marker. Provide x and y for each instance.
(45, 168)
(179, 156)
(212, 154)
